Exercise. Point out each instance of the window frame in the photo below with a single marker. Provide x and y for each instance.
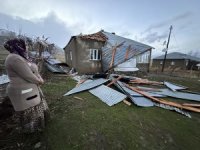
(95, 54)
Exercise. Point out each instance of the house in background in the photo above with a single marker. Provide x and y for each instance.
(177, 60)
(102, 51)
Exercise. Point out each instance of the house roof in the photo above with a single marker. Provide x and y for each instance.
(120, 43)
(177, 55)
(114, 40)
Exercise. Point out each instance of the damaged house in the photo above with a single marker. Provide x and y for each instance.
(102, 51)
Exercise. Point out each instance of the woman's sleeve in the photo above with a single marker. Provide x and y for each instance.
(24, 71)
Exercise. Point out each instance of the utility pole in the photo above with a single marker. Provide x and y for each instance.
(170, 30)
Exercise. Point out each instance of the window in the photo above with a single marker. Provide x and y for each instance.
(172, 63)
(95, 54)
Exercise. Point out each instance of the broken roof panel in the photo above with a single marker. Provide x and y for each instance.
(181, 95)
(108, 95)
(174, 87)
(113, 40)
(86, 86)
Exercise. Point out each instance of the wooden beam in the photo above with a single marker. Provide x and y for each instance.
(192, 105)
(127, 52)
(161, 101)
(114, 81)
(127, 102)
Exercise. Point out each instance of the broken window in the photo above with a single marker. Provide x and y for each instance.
(95, 54)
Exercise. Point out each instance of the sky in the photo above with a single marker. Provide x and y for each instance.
(146, 21)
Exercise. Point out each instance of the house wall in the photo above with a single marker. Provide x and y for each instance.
(178, 63)
(81, 55)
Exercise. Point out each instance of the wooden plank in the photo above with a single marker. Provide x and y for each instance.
(127, 102)
(113, 54)
(163, 101)
(192, 105)
(79, 98)
(114, 81)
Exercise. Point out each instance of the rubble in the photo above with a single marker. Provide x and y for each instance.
(141, 96)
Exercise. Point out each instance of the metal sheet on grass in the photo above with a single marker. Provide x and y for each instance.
(108, 95)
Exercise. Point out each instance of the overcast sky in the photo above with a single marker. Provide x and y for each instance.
(146, 21)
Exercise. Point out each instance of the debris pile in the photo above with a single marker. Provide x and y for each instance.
(131, 90)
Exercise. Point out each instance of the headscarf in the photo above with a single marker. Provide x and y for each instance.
(17, 46)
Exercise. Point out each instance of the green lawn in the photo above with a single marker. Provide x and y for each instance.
(91, 124)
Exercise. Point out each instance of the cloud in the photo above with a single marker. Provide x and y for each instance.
(154, 37)
(168, 22)
(49, 26)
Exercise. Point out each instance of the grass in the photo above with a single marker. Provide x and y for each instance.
(91, 124)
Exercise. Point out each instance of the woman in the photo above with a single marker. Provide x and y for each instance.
(23, 89)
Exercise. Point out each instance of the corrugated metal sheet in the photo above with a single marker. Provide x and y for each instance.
(108, 95)
(137, 100)
(114, 40)
(181, 95)
(4, 79)
(86, 86)
(174, 87)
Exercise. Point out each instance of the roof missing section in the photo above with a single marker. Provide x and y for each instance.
(86, 86)
(108, 95)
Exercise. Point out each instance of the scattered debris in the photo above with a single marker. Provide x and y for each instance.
(79, 98)
(139, 95)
